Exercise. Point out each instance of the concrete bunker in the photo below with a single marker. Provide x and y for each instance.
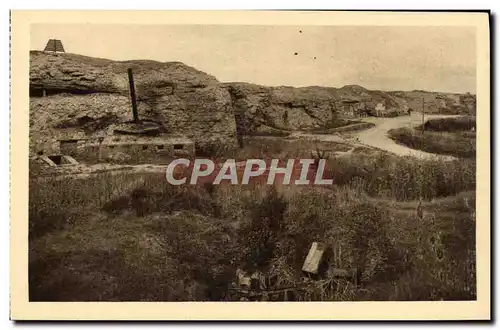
(69, 146)
(150, 145)
(57, 160)
(354, 108)
(137, 140)
(40, 91)
(137, 148)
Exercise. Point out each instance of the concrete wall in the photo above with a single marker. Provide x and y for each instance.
(133, 152)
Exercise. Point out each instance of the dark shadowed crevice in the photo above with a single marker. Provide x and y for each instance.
(41, 92)
(57, 159)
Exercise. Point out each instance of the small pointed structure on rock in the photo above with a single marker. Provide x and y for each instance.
(55, 46)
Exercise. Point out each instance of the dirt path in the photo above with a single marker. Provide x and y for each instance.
(377, 136)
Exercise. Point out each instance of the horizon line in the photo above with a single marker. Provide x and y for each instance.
(260, 84)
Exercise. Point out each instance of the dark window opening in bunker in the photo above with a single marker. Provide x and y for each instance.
(41, 92)
(178, 146)
(56, 159)
(36, 92)
(65, 142)
(144, 147)
(160, 147)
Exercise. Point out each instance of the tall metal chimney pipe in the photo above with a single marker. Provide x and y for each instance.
(132, 95)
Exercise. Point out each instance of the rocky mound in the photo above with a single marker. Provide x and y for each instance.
(69, 91)
(288, 108)
(91, 94)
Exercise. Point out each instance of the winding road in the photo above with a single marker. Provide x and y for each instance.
(377, 136)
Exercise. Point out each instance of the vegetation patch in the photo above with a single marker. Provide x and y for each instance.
(453, 124)
(460, 144)
(270, 147)
(384, 175)
(132, 237)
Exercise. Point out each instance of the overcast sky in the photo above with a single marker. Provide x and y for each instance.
(386, 58)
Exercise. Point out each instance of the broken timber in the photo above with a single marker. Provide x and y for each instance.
(252, 294)
(314, 258)
(317, 260)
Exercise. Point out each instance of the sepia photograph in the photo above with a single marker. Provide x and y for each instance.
(295, 161)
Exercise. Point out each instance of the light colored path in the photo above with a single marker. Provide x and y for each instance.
(377, 136)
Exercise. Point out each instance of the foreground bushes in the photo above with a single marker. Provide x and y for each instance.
(447, 136)
(402, 178)
(133, 237)
(454, 124)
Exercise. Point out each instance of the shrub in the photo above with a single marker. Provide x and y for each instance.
(454, 124)
(402, 178)
(157, 242)
(453, 144)
(259, 236)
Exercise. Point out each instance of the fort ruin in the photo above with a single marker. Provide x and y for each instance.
(136, 140)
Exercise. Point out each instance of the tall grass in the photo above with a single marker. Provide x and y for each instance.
(454, 124)
(134, 237)
(402, 178)
(269, 147)
(399, 256)
(453, 144)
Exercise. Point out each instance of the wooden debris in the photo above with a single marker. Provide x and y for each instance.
(243, 280)
(314, 258)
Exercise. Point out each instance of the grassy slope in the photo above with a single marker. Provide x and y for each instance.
(447, 136)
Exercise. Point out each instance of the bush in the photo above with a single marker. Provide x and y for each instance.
(133, 237)
(54, 203)
(453, 144)
(402, 178)
(454, 124)
(259, 236)
(399, 256)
